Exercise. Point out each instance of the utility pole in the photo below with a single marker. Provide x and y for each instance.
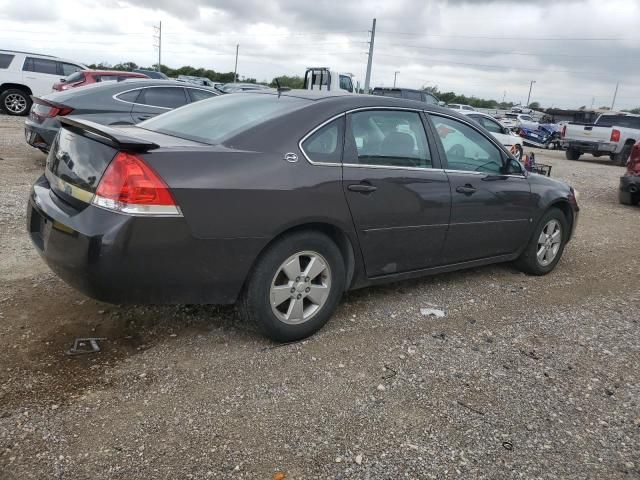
(235, 69)
(593, 100)
(395, 76)
(158, 36)
(504, 96)
(367, 78)
(615, 94)
(530, 88)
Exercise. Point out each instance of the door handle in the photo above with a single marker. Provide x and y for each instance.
(468, 189)
(362, 188)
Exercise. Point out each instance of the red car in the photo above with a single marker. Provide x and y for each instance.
(630, 183)
(87, 77)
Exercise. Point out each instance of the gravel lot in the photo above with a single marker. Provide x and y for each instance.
(525, 377)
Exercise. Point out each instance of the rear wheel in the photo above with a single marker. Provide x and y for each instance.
(546, 245)
(295, 286)
(622, 157)
(15, 101)
(572, 154)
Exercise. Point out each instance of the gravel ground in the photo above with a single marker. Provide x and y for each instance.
(525, 377)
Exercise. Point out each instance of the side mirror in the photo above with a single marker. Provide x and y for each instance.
(63, 80)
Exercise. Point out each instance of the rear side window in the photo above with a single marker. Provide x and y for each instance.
(41, 65)
(107, 78)
(130, 96)
(163, 97)
(389, 138)
(325, 145)
(623, 121)
(5, 60)
(430, 99)
(223, 117)
(414, 95)
(197, 94)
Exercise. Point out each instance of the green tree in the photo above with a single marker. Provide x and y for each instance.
(287, 81)
(534, 105)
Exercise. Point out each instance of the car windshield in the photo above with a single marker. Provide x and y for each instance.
(215, 120)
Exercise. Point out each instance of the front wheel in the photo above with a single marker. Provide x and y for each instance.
(295, 286)
(546, 245)
(15, 102)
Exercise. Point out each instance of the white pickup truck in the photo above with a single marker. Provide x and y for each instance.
(612, 134)
(323, 78)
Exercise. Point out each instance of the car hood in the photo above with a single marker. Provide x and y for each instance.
(543, 180)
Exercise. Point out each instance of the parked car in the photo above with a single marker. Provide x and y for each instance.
(241, 87)
(503, 134)
(612, 134)
(520, 109)
(459, 106)
(24, 74)
(88, 77)
(629, 193)
(283, 200)
(156, 75)
(524, 120)
(408, 93)
(122, 103)
(204, 81)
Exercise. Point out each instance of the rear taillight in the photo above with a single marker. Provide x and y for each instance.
(130, 186)
(615, 135)
(564, 131)
(44, 109)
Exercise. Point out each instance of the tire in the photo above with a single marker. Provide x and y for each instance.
(573, 154)
(622, 157)
(530, 262)
(14, 101)
(261, 293)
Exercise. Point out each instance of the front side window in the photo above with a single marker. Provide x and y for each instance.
(41, 65)
(465, 148)
(389, 138)
(5, 60)
(163, 97)
(345, 83)
(74, 77)
(325, 145)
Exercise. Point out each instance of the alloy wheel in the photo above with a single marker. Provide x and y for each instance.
(549, 242)
(15, 103)
(300, 287)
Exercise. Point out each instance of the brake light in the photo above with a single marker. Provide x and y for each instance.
(615, 135)
(564, 131)
(131, 186)
(44, 109)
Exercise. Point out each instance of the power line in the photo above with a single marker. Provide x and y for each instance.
(570, 39)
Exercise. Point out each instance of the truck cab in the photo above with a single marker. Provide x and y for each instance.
(323, 78)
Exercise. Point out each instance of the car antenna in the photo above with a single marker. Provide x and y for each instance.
(281, 89)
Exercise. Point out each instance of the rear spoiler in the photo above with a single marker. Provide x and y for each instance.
(114, 137)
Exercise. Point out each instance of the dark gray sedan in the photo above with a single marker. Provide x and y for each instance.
(123, 103)
(282, 201)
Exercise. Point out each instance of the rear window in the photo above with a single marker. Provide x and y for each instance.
(74, 77)
(218, 119)
(5, 60)
(619, 121)
(41, 65)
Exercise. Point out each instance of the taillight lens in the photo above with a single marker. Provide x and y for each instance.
(615, 135)
(564, 131)
(43, 109)
(130, 186)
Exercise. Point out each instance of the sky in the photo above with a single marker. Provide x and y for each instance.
(575, 50)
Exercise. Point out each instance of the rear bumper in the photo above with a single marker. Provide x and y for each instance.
(125, 259)
(590, 147)
(41, 135)
(629, 189)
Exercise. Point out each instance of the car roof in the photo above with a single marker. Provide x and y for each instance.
(41, 55)
(113, 72)
(399, 89)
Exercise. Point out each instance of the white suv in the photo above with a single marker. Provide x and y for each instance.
(23, 74)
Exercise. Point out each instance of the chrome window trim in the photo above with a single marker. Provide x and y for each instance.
(360, 165)
(115, 95)
(471, 172)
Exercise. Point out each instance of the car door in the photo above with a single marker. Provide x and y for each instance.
(153, 101)
(40, 74)
(491, 203)
(397, 192)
